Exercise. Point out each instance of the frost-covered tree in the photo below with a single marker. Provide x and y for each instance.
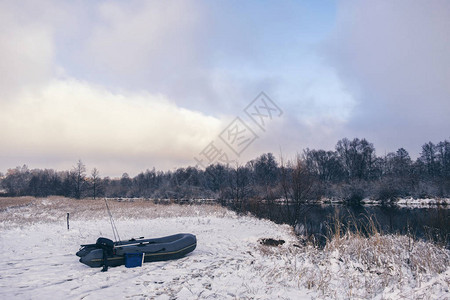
(443, 158)
(325, 164)
(428, 157)
(357, 157)
(17, 180)
(402, 163)
(78, 177)
(298, 186)
(95, 181)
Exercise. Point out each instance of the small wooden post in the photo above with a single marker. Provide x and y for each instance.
(67, 221)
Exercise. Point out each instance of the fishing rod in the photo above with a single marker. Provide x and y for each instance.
(113, 224)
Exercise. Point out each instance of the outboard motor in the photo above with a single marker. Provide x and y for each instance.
(108, 249)
(106, 244)
(102, 243)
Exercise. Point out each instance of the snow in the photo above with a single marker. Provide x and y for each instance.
(402, 202)
(38, 258)
(412, 202)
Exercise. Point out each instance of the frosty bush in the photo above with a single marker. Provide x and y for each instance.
(355, 266)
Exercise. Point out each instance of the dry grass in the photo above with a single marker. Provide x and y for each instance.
(12, 202)
(354, 265)
(26, 210)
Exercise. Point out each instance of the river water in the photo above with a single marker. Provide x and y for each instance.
(319, 221)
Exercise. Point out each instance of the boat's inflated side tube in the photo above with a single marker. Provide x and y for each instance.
(85, 249)
(101, 250)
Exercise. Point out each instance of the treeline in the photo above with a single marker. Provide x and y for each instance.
(350, 173)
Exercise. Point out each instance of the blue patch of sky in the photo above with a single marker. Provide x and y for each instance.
(273, 42)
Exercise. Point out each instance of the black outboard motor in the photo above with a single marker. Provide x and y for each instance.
(105, 243)
(108, 250)
(102, 243)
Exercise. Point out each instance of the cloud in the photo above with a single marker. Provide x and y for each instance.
(125, 86)
(150, 38)
(157, 46)
(74, 119)
(50, 118)
(26, 51)
(395, 56)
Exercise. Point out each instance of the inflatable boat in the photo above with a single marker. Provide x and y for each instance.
(107, 253)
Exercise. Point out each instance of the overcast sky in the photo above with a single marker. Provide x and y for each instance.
(126, 86)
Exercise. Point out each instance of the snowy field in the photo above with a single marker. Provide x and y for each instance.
(38, 257)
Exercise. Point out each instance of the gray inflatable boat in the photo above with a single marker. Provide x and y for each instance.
(107, 253)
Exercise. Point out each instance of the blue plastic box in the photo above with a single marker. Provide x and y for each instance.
(133, 260)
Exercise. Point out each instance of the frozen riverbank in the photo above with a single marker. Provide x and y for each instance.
(38, 257)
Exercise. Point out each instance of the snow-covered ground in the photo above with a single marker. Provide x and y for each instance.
(444, 202)
(38, 259)
(402, 202)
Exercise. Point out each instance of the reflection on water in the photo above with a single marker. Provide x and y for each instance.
(431, 223)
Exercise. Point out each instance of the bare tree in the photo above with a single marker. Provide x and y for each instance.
(265, 173)
(298, 188)
(429, 157)
(95, 176)
(357, 157)
(239, 182)
(17, 180)
(79, 178)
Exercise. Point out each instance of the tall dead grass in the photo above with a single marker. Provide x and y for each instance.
(27, 210)
(363, 263)
(14, 202)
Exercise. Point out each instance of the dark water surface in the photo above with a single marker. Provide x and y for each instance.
(319, 221)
